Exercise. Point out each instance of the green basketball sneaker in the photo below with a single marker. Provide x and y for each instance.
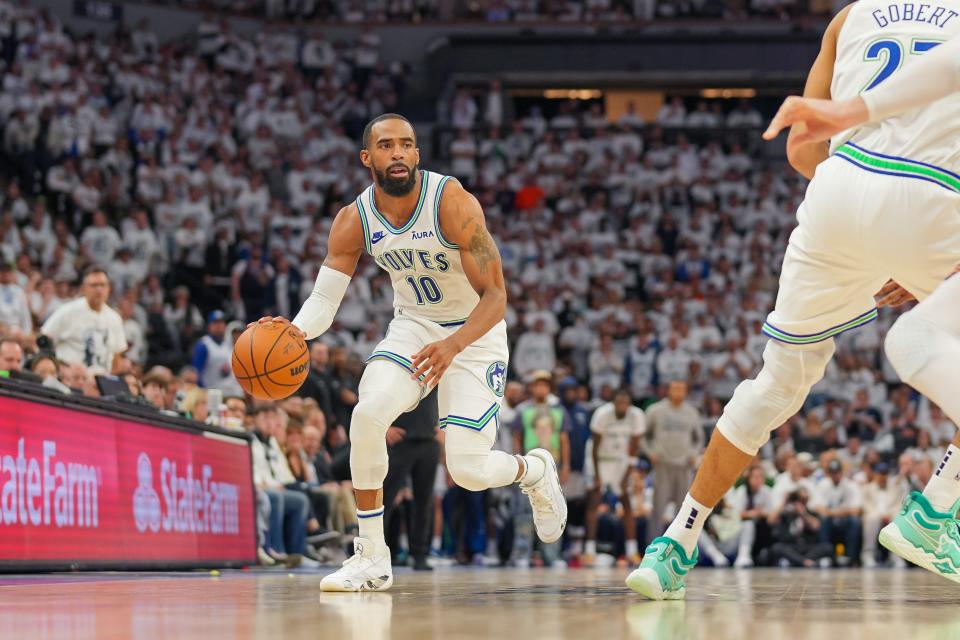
(660, 574)
(925, 536)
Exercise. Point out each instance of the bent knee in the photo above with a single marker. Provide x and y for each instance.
(468, 470)
(907, 345)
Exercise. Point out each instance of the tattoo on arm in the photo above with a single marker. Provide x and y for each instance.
(482, 248)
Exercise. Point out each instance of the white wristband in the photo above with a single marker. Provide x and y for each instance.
(316, 314)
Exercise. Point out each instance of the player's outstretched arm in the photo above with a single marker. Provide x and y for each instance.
(344, 247)
(462, 222)
(817, 120)
(935, 76)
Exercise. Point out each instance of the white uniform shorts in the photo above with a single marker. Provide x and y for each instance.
(471, 389)
(860, 225)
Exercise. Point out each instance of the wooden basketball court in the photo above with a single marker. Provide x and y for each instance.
(508, 604)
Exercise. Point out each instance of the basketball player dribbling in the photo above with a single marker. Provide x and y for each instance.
(881, 208)
(429, 234)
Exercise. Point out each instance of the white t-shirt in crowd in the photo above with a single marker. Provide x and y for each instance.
(616, 432)
(83, 335)
(829, 496)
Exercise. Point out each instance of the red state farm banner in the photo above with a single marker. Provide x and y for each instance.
(77, 487)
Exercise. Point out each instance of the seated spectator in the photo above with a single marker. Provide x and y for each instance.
(343, 506)
(155, 390)
(289, 509)
(11, 355)
(43, 365)
(754, 502)
(796, 535)
(837, 500)
(881, 503)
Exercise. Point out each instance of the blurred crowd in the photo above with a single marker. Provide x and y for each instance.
(504, 11)
(155, 197)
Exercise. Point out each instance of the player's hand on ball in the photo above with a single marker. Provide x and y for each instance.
(433, 360)
(893, 295)
(268, 319)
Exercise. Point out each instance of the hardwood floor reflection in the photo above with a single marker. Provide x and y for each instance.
(500, 604)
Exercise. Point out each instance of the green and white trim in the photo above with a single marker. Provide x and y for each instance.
(477, 425)
(424, 187)
(393, 357)
(436, 214)
(897, 166)
(810, 338)
(363, 223)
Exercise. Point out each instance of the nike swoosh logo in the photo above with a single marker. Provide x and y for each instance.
(377, 237)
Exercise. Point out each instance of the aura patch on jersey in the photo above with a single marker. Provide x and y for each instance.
(412, 260)
(497, 377)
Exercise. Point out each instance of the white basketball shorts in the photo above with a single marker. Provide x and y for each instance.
(866, 218)
(471, 390)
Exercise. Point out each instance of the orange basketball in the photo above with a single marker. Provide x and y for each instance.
(271, 360)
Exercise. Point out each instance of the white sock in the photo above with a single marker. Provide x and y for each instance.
(371, 527)
(631, 548)
(688, 524)
(435, 542)
(534, 471)
(944, 487)
(590, 548)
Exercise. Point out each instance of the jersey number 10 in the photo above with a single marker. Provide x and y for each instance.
(891, 51)
(426, 289)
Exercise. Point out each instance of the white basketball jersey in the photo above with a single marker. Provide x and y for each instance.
(878, 39)
(425, 269)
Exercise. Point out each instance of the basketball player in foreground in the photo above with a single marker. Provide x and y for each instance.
(429, 234)
(933, 327)
(881, 207)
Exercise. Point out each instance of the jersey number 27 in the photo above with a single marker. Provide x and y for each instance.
(891, 52)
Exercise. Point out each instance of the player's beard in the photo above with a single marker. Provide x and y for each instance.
(397, 187)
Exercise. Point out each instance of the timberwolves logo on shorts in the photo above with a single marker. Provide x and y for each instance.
(497, 377)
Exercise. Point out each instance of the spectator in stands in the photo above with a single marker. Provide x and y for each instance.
(753, 502)
(87, 330)
(344, 385)
(675, 440)
(11, 355)
(540, 422)
(343, 508)
(575, 490)
(155, 390)
(304, 473)
(14, 307)
(797, 535)
(838, 502)
(881, 502)
(289, 509)
(534, 351)
(318, 385)
(235, 413)
(617, 428)
(212, 357)
(46, 366)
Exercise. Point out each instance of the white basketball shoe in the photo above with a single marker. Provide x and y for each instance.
(365, 570)
(546, 498)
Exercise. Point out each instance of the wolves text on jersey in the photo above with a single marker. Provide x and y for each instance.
(408, 259)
